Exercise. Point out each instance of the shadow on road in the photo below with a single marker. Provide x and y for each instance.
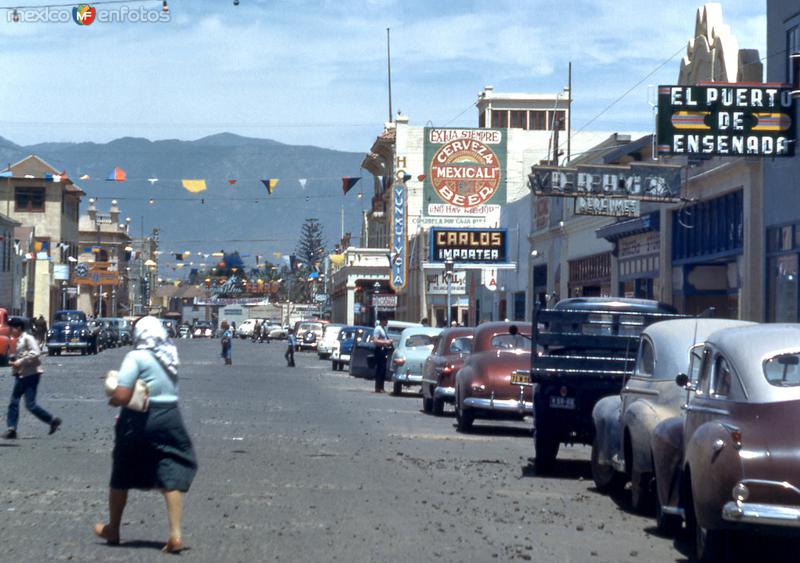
(563, 469)
(511, 431)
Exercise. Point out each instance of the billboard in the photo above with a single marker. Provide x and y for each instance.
(470, 246)
(726, 120)
(465, 183)
(607, 207)
(639, 181)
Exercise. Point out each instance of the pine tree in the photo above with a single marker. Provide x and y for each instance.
(309, 253)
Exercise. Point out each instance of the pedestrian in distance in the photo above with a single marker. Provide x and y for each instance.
(152, 449)
(383, 346)
(256, 332)
(227, 343)
(291, 345)
(265, 328)
(40, 330)
(27, 371)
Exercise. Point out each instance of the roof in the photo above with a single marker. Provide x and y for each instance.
(628, 227)
(8, 220)
(36, 166)
(614, 303)
(749, 347)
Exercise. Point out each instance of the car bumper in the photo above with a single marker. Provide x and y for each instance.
(762, 514)
(499, 405)
(68, 345)
(408, 378)
(448, 394)
(311, 345)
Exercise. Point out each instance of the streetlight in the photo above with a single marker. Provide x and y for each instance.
(63, 294)
(448, 276)
(376, 288)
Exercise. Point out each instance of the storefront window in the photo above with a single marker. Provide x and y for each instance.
(783, 286)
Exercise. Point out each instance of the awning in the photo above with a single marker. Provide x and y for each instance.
(630, 227)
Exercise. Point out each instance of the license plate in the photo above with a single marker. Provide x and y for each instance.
(75, 340)
(562, 403)
(520, 378)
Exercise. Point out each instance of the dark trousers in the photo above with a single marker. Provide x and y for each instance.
(380, 368)
(26, 386)
(289, 355)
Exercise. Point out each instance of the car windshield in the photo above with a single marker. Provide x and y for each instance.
(783, 370)
(70, 317)
(202, 324)
(461, 345)
(511, 342)
(419, 340)
(309, 326)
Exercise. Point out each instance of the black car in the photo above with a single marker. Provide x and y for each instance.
(70, 331)
(122, 329)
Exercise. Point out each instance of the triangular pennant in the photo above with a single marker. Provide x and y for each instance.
(303, 182)
(406, 177)
(231, 181)
(421, 177)
(152, 180)
(84, 177)
(116, 175)
(270, 184)
(194, 186)
(348, 183)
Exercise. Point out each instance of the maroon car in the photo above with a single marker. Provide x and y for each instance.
(732, 463)
(483, 385)
(439, 372)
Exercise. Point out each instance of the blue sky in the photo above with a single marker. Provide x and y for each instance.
(314, 71)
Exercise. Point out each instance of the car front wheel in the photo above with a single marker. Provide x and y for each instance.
(464, 418)
(397, 388)
(606, 478)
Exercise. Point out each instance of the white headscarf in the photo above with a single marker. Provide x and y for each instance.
(149, 334)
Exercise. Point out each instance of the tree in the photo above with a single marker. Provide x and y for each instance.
(309, 253)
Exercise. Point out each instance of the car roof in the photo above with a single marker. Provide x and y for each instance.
(614, 303)
(415, 330)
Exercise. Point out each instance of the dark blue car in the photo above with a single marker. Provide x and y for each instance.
(70, 331)
(343, 347)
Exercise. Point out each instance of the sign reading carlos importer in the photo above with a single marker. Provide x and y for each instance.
(726, 120)
(645, 182)
(477, 246)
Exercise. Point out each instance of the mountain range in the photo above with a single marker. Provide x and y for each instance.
(240, 216)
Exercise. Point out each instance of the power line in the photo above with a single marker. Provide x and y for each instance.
(73, 4)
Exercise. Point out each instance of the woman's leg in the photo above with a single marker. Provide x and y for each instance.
(117, 498)
(174, 501)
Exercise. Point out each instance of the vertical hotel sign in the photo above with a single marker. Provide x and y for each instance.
(465, 184)
(399, 251)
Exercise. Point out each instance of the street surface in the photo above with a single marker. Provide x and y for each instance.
(304, 465)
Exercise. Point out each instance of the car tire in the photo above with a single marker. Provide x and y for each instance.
(667, 524)
(427, 405)
(437, 406)
(710, 545)
(397, 388)
(464, 418)
(642, 500)
(51, 352)
(606, 478)
(545, 445)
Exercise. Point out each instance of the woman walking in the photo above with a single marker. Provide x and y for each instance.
(152, 449)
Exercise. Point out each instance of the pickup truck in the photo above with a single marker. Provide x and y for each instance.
(585, 347)
(7, 342)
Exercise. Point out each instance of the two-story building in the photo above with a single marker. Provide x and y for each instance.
(37, 195)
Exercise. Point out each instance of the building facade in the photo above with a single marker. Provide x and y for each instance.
(10, 279)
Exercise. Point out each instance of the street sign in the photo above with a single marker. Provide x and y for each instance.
(640, 181)
(471, 246)
(384, 301)
(726, 120)
(609, 207)
(437, 284)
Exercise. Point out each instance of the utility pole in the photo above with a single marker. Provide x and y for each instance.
(389, 68)
(569, 113)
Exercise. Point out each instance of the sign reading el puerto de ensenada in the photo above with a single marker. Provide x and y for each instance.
(465, 178)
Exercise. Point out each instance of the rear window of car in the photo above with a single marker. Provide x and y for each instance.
(417, 340)
(783, 370)
(70, 317)
(309, 326)
(461, 345)
(511, 342)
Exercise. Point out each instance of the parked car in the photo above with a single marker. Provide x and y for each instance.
(7, 342)
(439, 371)
(171, 326)
(277, 332)
(245, 330)
(203, 329)
(343, 347)
(624, 424)
(122, 327)
(105, 335)
(395, 328)
(184, 330)
(732, 462)
(70, 331)
(309, 333)
(329, 335)
(415, 345)
(586, 347)
(483, 386)
(362, 357)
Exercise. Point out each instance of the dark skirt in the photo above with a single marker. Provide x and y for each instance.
(152, 450)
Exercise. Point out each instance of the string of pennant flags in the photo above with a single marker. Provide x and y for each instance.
(192, 185)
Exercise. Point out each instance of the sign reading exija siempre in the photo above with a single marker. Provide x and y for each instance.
(726, 120)
(464, 177)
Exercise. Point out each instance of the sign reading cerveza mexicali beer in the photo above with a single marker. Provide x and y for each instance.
(476, 246)
(465, 181)
(640, 181)
(726, 120)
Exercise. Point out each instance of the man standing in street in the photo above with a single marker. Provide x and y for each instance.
(383, 345)
(27, 371)
(291, 345)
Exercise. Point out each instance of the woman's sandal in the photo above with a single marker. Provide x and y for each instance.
(104, 532)
(173, 546)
